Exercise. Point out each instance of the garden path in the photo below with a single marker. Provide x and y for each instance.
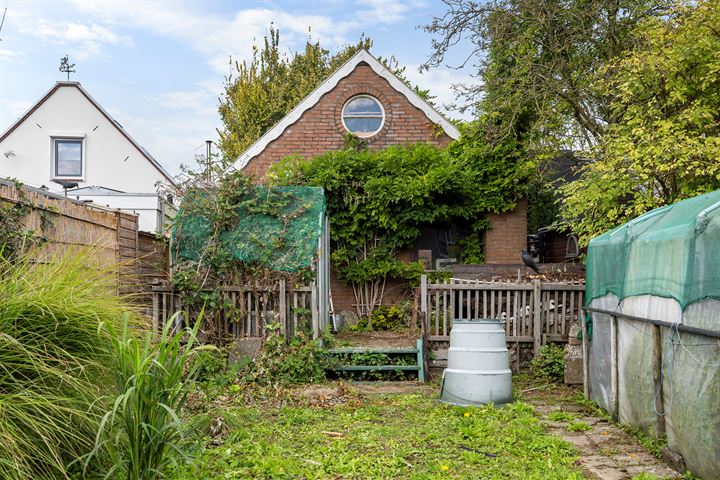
(606, 451)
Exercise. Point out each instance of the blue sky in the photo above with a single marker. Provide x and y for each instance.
(158, 66)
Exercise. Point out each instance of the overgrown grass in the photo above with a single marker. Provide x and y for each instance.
(410, 436)
(53, 360)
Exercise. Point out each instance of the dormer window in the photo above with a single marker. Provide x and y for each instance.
(363, 116)
(68, 158)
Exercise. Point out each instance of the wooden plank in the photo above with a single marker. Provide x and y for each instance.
(614, 367)
(486, 286)
(563, 317)
(537, 318)
(155, 313)
(516, 313)
(294, 313)
(586, 359)
(657, 381)
(485, 310)
(373, 368)
(283, 308)
(371, 350)
(420, 360)
(459, 297)
(556, 311)
(477, 304)
(437, 313)
(492, 303)
(510, 339)
(508, 314)
(315, 313)
(445, 313)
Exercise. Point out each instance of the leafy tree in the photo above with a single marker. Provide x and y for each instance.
(379, 200)
(261, 92)
(544, 55)
(664, 144)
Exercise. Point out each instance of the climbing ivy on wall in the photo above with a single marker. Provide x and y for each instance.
(15, 237)
(379, 200)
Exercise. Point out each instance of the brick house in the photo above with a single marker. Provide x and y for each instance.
(365, 98)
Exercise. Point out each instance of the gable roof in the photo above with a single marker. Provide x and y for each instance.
(94, 103)
(363, 56)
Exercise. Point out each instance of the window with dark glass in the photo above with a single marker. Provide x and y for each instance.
(68, 158)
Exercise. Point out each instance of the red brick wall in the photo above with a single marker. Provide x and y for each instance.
(507, 235)
(320, 128)
(395, 290)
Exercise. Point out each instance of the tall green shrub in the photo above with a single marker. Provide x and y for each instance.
(53, 360)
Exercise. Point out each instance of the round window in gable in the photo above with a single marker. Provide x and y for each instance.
(363, 116)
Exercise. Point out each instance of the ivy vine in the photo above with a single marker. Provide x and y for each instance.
(378, 201)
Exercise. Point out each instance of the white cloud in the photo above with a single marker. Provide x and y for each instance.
(84, 40)
(440, 81)
(7, 55)
(219, 37)
(383, 11)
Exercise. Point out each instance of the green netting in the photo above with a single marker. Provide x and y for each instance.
(671, 252)
(278, 228)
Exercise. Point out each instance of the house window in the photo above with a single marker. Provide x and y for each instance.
(363, 116)
(68, 158)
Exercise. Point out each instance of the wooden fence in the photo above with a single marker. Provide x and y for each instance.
(64, 223)
(535, 312)
(248, 309)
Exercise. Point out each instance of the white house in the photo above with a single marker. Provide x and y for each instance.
(68, 137)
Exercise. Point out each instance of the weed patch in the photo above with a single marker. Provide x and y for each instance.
(405, 436)
(578, 427)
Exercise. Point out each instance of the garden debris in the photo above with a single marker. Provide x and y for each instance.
(474, 450)
(333, 434)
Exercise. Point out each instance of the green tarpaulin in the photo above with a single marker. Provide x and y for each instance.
(278, 228)
(671, 252)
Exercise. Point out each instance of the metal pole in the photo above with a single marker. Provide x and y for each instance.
(208, 145)
(675, 326)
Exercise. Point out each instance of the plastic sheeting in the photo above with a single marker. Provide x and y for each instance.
(690, 379)
(670, 252)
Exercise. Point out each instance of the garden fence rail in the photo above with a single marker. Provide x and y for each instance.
(246, 310)
(536, 312)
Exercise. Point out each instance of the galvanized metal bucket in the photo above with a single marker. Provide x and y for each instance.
(478, 370)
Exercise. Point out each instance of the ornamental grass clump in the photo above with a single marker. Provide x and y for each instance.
(53, 357)
(142, 431)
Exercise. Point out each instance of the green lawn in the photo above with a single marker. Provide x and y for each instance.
(407, 435)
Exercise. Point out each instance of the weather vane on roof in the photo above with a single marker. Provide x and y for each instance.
(66, 66)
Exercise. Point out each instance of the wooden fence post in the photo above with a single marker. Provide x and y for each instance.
(156, 310)
(282, 307)
(614, 397)
(657, 381)
(425, 345)
(586, 359)
(537, 318)
(314, 310)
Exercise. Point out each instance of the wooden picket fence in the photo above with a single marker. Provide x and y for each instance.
(248, 310)
(536, 312)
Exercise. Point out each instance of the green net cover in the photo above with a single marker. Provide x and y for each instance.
(671, 252)
(277, 227)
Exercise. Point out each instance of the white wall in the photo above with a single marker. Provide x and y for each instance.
(111, 160)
